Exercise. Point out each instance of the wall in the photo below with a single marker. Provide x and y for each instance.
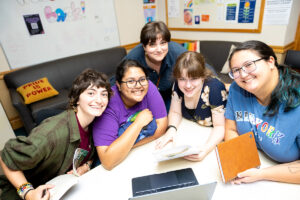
(285, 34)
(130, 19)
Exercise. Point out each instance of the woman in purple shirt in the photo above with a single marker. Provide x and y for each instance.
(135, 96)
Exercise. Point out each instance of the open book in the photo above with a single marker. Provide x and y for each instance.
(237, 155)
(64, 182)
(175, 152)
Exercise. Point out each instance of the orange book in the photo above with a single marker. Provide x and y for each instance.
(237, 155)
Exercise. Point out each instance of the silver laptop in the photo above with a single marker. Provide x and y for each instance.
(195, 192)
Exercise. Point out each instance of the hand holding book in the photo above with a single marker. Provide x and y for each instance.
(237, 155)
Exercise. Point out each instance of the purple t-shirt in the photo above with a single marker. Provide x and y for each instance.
(105, 128)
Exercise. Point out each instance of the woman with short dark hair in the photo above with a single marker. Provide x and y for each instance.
(158, 54)
(265, 99)
(29, 162)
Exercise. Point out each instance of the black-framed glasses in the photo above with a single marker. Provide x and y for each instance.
(132, 83)
(247, 68)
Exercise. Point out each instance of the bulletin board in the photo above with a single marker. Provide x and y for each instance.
(37, 31)
(215, 15)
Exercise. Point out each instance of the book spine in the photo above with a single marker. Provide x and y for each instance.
(219, 163)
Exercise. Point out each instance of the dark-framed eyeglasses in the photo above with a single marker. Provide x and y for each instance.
(132, 83)
(247, 68)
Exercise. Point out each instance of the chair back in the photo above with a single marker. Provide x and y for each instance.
(292, 59)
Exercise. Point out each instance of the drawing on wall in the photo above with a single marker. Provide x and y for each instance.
(149, 1)
(188, 3)
(34, 24)
(149, 13)
(73, 13)
(188, 16)
(205, 18)
(246, 11)
(82, 4)
(197, 19)
(70, 27)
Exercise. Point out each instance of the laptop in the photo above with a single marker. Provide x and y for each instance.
(173, 185)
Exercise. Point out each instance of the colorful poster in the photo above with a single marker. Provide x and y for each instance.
(246, 11)
(188, 16)
(149, 13)
(188, 3)
(205, 18)
(34, 24)
(149, 1)
(197, 19)
(230, 12)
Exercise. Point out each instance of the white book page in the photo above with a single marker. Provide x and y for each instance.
(62, 184)
(175, 152)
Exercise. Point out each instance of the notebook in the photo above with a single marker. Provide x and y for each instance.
(237, 155)
(178, 184)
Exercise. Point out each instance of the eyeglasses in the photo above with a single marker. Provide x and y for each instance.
(247, 68)
(132, 83)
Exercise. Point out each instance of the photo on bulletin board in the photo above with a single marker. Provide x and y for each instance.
(212, 15)
(34, 24)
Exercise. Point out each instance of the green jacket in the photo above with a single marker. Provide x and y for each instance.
(47, 152)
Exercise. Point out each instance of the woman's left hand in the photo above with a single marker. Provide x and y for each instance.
(248, 176)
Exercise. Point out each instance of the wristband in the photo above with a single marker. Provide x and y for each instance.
(172, 126)
(89, 165)
(23, 189)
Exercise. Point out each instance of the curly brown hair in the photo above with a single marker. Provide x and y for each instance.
(83, 81)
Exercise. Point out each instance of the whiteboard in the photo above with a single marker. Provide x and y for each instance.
(70, 27)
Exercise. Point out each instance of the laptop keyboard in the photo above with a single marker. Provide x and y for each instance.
(166, 188)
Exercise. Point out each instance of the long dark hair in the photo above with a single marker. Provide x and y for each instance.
(287, 91)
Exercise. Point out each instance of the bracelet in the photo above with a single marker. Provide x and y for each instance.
(23, 189)
(171, 126)
(89, 165)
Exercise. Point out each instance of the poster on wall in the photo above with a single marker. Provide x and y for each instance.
(34, 24)
(246, 11)
(277, 12)
(149, 13)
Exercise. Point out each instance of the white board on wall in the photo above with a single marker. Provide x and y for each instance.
(70, 27)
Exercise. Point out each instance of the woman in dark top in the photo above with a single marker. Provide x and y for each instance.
(199, 97)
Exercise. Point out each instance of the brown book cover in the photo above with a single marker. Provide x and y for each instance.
(237, 155)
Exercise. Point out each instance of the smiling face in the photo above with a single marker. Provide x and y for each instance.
(92, 101)
(131, 96)
(255, 81)
(189, 86)
(156, 51)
